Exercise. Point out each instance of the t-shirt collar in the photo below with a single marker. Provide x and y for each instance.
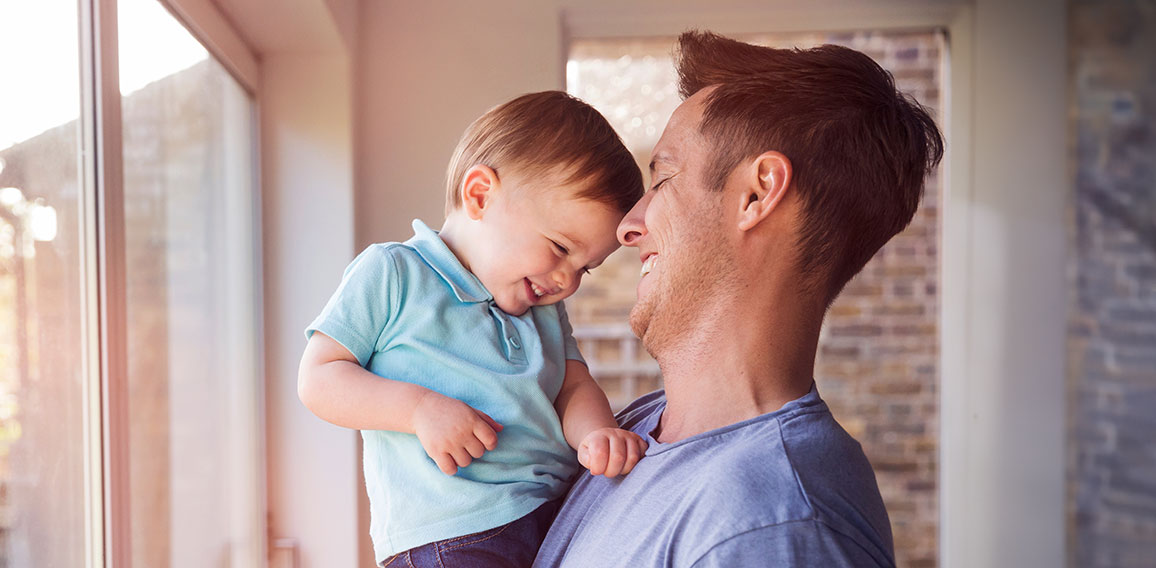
(650, 423)
(434, 251)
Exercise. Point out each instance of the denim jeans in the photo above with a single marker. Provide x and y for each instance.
(513, 545)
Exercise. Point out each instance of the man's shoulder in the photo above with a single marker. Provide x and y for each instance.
(826, 458)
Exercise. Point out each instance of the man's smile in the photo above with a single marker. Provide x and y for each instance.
(648, 264)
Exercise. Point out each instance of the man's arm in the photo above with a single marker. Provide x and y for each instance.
(590, 428)
(334, 386)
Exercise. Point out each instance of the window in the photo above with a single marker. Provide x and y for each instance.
(190, 214)
(42, 433)
(191, 492)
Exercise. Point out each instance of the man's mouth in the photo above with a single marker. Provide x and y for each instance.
(648, 265)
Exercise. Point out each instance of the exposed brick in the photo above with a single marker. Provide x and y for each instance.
(839, 352)
(895, 388)
(1112, 328)
(860, 330)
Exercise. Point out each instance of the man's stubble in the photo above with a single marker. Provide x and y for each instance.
(688, 280)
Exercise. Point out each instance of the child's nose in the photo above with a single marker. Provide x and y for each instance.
(563, 278)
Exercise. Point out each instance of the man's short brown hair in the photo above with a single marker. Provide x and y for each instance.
(860, 150)
(549, 133)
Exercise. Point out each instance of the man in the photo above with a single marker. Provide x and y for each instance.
(776, 180)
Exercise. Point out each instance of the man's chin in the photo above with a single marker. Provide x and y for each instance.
(640, 316)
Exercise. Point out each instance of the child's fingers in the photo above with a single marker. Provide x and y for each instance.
(475, 448)
(485, 433)
(617, 456)
(598, 450)
(493, 423)
(461, 457)
(633, 454)
(445, 463)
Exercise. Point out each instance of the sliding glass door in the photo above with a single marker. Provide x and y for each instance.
(42, 402)
(130, 376)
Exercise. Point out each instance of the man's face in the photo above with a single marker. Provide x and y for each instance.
(677, 228)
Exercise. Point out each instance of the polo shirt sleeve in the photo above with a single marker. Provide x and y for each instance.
(568, 341)
(801, 543)
(361, 308)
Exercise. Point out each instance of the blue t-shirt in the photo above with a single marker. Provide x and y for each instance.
(788, 488)
(411, 312)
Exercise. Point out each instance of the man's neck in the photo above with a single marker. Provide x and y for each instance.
(741, 359)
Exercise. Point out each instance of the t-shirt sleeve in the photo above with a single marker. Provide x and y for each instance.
(797, 544)
(568, 340)
(360, 309)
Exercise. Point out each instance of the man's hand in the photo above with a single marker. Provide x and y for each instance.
(610, 451)
(452, 433)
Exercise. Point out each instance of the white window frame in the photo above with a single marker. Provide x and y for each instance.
(108, 526)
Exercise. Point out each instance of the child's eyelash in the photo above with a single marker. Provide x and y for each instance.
(560, 248)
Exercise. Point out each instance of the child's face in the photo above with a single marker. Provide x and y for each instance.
(535, 241)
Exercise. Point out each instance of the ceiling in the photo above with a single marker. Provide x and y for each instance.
(291, 26)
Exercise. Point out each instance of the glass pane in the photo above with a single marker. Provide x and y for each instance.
(42, 505)
(877, 365)
(191, 276)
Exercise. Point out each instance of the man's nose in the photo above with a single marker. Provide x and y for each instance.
(633, 225)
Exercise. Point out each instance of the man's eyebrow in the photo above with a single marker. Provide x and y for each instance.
(661, 157)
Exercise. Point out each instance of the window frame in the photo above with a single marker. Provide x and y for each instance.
(108, 524)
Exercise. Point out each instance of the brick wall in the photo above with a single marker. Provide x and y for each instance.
(877, 365)
(1112, 274)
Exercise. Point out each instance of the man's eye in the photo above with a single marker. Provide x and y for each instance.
(559, 247)
(659, 184)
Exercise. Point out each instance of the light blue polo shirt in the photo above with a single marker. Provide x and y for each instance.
(411, 312)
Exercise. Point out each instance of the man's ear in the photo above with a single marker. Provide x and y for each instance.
(767, 181)
(478, 187)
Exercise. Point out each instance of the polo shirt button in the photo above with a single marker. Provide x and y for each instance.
(514, 343)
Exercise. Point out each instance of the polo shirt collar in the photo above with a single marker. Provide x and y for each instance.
(434, 251)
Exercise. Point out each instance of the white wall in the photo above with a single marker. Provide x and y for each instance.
(1004, 295)
(307, 169)
(427, 70)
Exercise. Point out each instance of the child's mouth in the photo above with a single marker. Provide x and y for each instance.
(537, 291)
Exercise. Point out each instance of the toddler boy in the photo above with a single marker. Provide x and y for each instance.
(452, 353)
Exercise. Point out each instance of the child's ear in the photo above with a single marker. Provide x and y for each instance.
(478, 187)
(769, 180)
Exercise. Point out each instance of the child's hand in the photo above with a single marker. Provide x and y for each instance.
(610, 451)
(452, 433)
